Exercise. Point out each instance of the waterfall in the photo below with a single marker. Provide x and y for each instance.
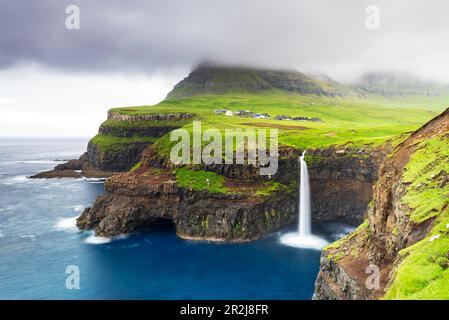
(303, 238)
(305, 221)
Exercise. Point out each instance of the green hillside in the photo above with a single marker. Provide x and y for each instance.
(355, 120)
(207, 80)
(346, 115)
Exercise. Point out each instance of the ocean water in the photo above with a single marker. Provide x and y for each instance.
(38, 241)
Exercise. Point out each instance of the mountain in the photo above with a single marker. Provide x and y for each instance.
(210, 79)
(397, 84)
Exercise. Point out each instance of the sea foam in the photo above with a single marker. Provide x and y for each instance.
(66, 224)
(78, 208)
(93, 239)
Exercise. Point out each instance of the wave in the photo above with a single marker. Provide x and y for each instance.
(93, 239)
(64, 224)
(32, 237)
(17, 180)
(20, 178)
(78, 208)
(11, 207)
(93, 179)
(40, 161)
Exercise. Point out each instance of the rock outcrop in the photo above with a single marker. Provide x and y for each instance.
(136, 200)
(119, 144)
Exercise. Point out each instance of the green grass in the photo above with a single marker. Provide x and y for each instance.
(108, 143)
(269, 187)
(345, 120)
(121, 124)
(428, 166)
(200, 180)
(337, 244)
(422, 274)
(136, 166)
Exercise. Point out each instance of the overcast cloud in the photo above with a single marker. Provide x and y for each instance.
(165, 34)
(159, 41)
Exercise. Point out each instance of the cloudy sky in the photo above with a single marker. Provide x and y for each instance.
(60, 82)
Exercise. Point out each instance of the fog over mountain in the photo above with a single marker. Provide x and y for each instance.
(146, 36)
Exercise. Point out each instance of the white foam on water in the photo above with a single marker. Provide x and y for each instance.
(19, 178)
(65, 224)
(293, 239)
(40, 161)
(12, 207)
(93, 179)
(78, 208)
(93, 239)
(32, 237)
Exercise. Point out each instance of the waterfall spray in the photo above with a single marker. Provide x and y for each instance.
(303, 238)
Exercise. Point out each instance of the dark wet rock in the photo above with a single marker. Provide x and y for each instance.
(57, 174)
(132, 203)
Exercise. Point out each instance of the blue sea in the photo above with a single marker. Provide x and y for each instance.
(38, 241)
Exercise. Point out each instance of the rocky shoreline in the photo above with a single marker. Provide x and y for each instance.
(75, 168)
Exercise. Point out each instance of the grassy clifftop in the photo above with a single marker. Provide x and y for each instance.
(407, 232)
(344, 120)
(424, 270)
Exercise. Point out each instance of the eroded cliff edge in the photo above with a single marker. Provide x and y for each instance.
(119, 144)
(406, 235)
(236, 204)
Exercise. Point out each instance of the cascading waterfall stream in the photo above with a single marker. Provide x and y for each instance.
(305, 223)
(304, 238)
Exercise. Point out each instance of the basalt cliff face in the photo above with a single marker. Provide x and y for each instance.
(402, 250)
(250, 208)
(122, 138)
(341, 181)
